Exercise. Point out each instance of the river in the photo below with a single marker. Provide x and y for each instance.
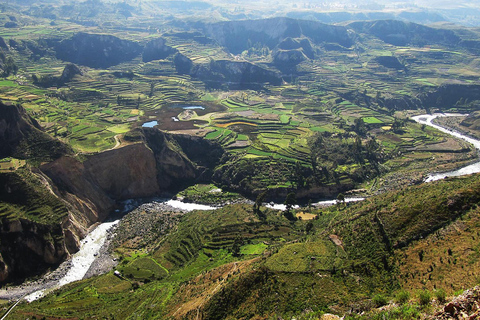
(427, 119)
(77, 267)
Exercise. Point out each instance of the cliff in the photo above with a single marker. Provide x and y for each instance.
(239, 73)
(45, 211)
(401, 33)
(157, 49)
(238, 36)
(157, 162)
(96, 50)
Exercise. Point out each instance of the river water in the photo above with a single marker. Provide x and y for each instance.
(90, 246)
(81, 261)
(427, 119)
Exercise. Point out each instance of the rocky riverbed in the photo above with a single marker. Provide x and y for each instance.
(143, 224)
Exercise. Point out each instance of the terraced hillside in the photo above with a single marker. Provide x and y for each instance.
(221, 82)
(262, 108)
(232, 263)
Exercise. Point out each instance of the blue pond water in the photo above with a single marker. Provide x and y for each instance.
(150, 124)
(193, 108)
(184, 107)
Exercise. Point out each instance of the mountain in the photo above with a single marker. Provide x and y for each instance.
(238, 36)
(401, 33)
(96, 50)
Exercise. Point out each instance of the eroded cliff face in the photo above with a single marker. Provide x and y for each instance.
(45, 211)
(29, 248)
(97, 50)
(181, 160)
(155, 164)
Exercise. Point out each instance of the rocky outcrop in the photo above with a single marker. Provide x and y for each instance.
(44, 212)
(3, 44)
(443, 97)
(69, 72)
(183, 64)
(295, 44)
(464, 306)
(238, 36)
(157, 49)
(28, 248)
(92, 187)
(97, 50)
(448, 95)
(181, 159)
(291, 52)
(32, 224)
(282, 58)
(238, 73)
(159, 163)
(389, 62)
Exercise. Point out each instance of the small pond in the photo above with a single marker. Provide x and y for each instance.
(150, 124)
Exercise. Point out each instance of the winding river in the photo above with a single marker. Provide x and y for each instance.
(427, 119)
(78, 266)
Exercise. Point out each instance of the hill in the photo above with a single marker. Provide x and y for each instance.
(232, 263)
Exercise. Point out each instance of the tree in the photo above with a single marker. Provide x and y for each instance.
(359, 126)
(397, 125)
(152, 89)
(237, 244)
(309, 227)
(290, 201)
(341, 198)
(258, 202)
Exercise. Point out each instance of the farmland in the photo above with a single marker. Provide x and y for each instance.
(338, 93)
(106, 105)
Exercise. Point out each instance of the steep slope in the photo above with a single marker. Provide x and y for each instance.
(96, 50)
(46, 211)
(22, 137)
(402, 33)
(33, 235)
(239, 73)
(232, 263)
(238, 36)
(157, 162)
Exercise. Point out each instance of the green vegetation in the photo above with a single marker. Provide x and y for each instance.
(28, 199)
(330, 116)
(207, 193)
(356, 253)
(424, 297)
(402, 297)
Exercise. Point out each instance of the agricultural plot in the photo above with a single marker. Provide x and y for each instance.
(319, 97)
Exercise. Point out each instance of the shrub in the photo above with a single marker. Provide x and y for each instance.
(406, 312)
(379, 300)
(440, 295)
(424, 297)
(402, 297)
